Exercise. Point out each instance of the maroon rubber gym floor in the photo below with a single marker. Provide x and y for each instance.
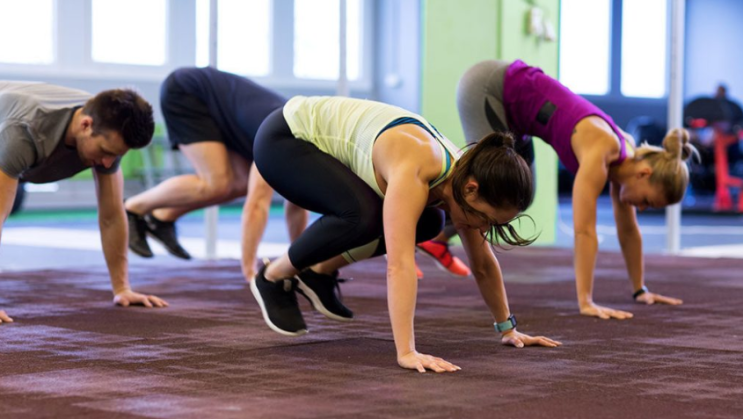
(72, 354)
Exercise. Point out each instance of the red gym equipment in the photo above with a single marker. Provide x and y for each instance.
(725, 118)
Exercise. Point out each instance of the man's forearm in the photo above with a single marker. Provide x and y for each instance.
(114, 236)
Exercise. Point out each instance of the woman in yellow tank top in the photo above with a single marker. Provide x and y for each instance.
(382, 178)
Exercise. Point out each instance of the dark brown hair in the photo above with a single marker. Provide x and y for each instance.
(504, 180)
(123, 111)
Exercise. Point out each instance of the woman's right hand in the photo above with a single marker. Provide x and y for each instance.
(421, 362)
(595, 310)
(4, 318)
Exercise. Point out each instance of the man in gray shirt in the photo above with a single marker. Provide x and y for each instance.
(49, 133)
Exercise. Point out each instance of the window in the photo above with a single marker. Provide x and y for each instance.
(131, 32)
(316, 39)
(644, 66)
(19, 44)
(281, 43)
(243, 36)
(585, 34)
(202, 32)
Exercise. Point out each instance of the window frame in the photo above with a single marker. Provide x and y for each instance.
(615, 69)
(24, 67)
(104, 67)
(73, 26)
(609, 68)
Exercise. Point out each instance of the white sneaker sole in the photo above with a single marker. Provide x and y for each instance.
(257, 295)
(317, 304)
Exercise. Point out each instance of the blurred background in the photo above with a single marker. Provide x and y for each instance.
(409, 53)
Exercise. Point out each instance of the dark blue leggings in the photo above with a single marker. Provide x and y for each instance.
(351, 211)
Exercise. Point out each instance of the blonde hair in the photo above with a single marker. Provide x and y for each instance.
(669, 163)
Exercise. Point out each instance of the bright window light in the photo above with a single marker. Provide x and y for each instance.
(644, 33)
(243, 36)
(202, 33)
(18, 43)
(129, 32)
(585, 45)
(316, 39)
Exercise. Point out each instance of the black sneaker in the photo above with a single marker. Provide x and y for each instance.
(164, 232)
(138, 235)
(278, 303)
(320, 290)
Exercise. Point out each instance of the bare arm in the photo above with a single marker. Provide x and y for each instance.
(114, 237)
(8, 187)
(489, 278)
(589, 181)
(403, 204)
(487, 273)
(630, 239)
(406, 161)
(254, 219)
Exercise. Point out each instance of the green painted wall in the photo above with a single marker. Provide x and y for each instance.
(457, 35)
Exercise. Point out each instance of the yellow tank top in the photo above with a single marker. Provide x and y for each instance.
(346, 129)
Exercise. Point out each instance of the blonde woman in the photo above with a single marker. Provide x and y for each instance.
(498, 96)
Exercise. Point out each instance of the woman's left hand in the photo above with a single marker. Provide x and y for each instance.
(652, 298)
(519, 340)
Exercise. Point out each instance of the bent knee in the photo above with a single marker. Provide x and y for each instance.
(216, 187)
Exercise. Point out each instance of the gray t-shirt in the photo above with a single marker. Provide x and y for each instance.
(33, 122)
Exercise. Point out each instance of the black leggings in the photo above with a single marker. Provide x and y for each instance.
(351, 210)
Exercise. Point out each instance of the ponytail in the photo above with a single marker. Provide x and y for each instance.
(669, 163)
(504, 180)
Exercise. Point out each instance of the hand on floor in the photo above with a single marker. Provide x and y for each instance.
(422, 362)
(605, 313)
(127, 298)
(4, 317)
(519, 340)
(651, 298)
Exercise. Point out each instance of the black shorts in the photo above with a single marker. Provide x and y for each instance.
(187, 118)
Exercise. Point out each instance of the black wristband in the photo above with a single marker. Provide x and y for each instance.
(639, 292)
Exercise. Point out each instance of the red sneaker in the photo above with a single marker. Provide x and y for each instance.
(441, 254)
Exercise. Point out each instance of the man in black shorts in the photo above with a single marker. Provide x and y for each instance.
(212, 118)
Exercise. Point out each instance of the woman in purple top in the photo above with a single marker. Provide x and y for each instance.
(504, 96)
